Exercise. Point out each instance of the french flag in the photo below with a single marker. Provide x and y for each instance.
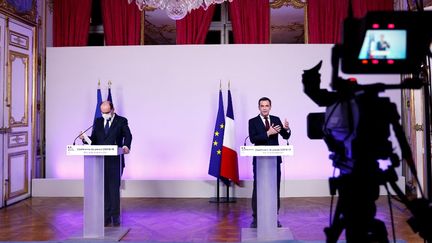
(229, 160)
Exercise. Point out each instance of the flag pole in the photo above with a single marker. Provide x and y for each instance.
(217, 147)
(227, 198)
(217, 198)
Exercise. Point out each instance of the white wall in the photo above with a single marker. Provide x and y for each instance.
(170, 94)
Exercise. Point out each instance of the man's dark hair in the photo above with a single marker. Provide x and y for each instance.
(264, 99)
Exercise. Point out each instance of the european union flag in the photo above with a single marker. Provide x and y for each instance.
(218, 135)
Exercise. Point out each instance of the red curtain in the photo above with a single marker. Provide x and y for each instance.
(193, 28)
(325, 17)
(71, 21)
(361, 7)
(250, 21)
(121, 21)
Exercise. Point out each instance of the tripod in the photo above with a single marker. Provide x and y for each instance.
(356, 130)
(355, 210)
(355, 152)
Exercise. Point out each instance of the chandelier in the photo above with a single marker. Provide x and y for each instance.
(176, 9)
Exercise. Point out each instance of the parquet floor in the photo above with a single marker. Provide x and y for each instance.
(178, 220)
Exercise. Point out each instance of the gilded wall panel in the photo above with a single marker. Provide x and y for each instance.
(18, 40)
(17, 139)
(18, 89)
(18, 177)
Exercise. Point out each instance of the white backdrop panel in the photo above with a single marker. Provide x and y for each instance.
(170, 96)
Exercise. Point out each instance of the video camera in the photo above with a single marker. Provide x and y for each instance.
(408, 38)
(386, 42)
(356, 124)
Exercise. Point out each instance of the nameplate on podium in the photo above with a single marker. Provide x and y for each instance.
(286, 150)
(95, 150)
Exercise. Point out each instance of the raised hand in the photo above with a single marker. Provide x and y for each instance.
(286, 124)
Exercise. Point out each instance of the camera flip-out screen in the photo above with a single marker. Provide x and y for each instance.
(384, 44)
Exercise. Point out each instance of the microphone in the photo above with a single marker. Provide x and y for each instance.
(81, 133)
(244, 143)
(289, 131)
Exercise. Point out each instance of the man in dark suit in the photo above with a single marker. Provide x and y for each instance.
(112, 129)
(264, 130)
(382, 44)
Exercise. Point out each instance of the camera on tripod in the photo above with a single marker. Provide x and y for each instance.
(357, 121)
(379, 43)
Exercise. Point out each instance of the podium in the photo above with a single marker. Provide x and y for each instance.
(93, 220)
(266, 182)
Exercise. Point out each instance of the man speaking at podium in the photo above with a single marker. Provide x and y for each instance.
(112, 129)
(264, 130)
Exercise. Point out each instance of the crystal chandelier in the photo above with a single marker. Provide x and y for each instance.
(176, 9)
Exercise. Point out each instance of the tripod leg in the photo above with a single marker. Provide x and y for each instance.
(335, 229)
(333, 232)
(379, 232)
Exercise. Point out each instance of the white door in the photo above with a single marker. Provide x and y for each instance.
(414, 129)
(419, 151)
(3, 118)
(18, 78)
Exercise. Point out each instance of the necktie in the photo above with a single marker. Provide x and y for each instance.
(267, 124)
(106, 128)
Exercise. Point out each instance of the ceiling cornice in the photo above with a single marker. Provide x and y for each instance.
(293, 3)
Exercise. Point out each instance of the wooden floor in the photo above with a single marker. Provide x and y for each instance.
(178, 220)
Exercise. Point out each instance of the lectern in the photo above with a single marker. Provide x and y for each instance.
(94, 191)
(266, 179)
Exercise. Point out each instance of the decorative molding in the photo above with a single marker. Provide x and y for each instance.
(50, 4)
(13, 56)
(306, 26)
(24, 190)
(17, 139)
(149, 9)
(158, 33)
(18, 40)
(293, 3)
(12, 7)
(412, 4)
(142, 29)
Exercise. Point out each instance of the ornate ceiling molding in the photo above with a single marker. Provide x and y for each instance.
(293, 3)
(25, 10)
(150, 9)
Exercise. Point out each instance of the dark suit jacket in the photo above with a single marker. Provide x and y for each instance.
(258, 133)
(119, 134)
